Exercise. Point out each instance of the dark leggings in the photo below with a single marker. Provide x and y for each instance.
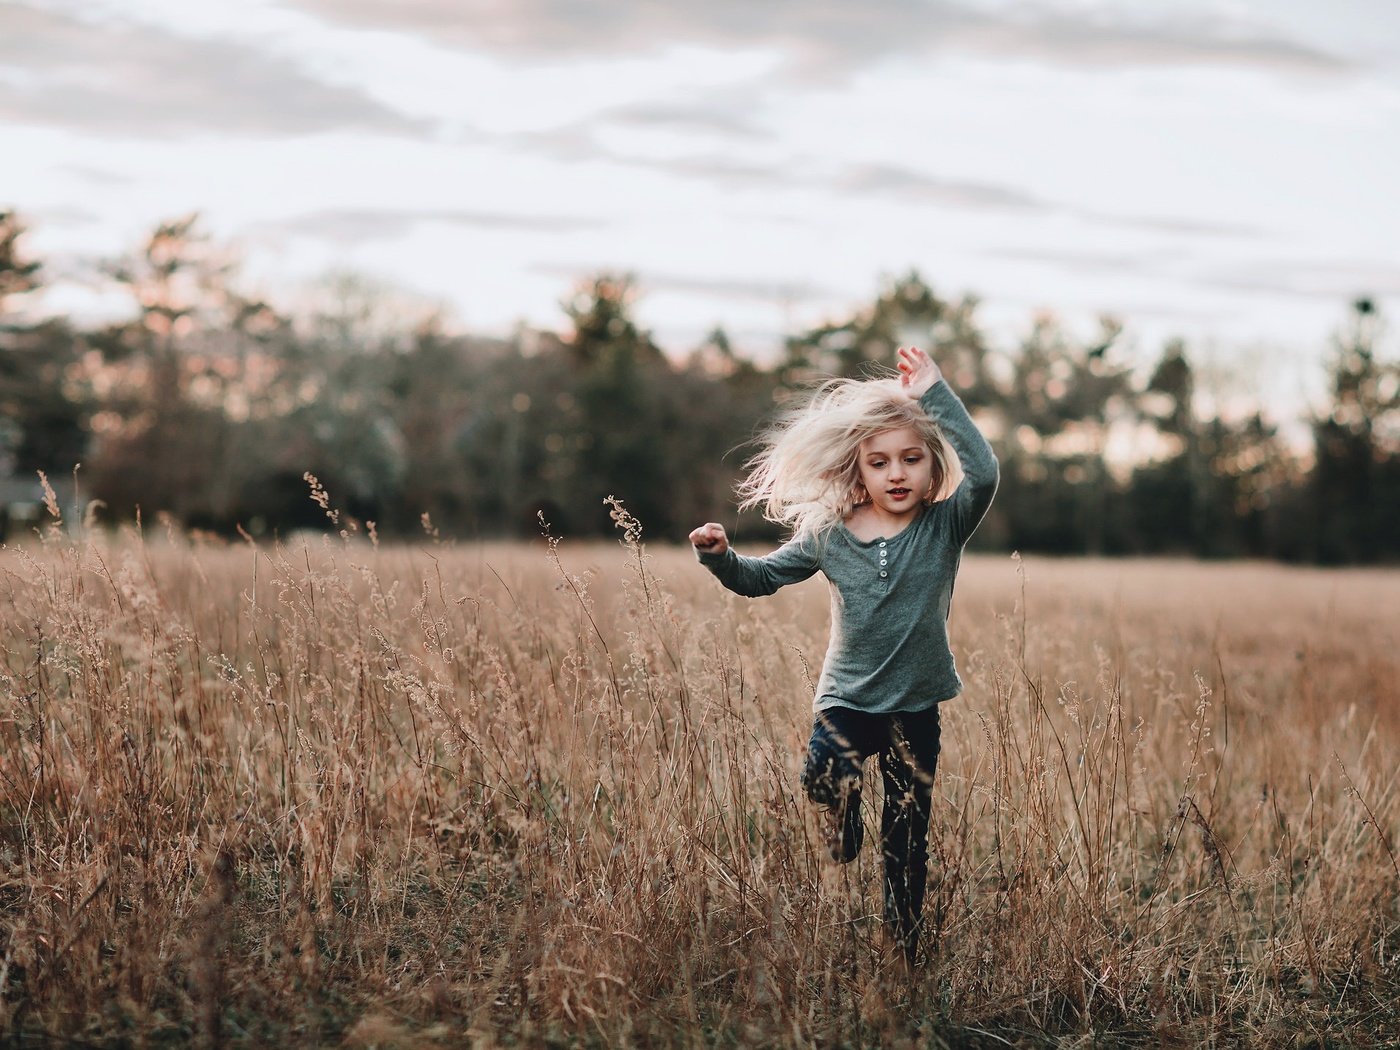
(907, 743)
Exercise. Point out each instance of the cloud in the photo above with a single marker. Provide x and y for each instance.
(354, 225)
(965, 193)
(723, 172)
(1083, 262)
(895, 181)
(569, 143)
(122, 80)
(831, 38)
(1188, 227)
(715, 117)
(1340, 281)
(1101, 39)
(579, 142)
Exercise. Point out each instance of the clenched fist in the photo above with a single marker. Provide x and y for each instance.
(710, 538)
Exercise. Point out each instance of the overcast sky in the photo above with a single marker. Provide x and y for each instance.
(1222, 171)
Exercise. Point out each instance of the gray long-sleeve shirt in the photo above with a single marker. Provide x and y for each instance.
(889, 596)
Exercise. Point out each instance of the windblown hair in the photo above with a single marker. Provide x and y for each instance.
(806, 474)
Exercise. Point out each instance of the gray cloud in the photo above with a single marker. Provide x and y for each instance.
(549, 28)
(829, 38)
(1083, 262)
(120, 80)
(354, 225)
(959, 193)
(579, 142)
(716, 116)
(573, 142)
(1188, 227)
(1102, 39)
(964, 193)
(1338, 281)
(722, 171)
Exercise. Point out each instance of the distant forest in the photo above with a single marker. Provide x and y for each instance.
(210, 408)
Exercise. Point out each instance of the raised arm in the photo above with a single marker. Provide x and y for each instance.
(752, 577)
(923, 380)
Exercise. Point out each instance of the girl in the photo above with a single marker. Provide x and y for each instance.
(855, 474)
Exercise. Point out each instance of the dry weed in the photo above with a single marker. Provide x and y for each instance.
(335, 792)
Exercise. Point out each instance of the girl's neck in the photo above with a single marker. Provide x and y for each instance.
(867, 523)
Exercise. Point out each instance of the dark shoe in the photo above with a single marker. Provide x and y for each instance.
(842, 829)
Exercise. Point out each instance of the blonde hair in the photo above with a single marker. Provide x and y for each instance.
(806, 474)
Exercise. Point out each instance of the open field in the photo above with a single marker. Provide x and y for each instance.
(433, 796)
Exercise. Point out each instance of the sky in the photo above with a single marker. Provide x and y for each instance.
(1222, 172)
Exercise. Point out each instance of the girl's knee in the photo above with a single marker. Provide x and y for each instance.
(833, 767)
(829, 781)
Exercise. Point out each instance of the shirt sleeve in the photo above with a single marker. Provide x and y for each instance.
(980, 470)
(793, 562)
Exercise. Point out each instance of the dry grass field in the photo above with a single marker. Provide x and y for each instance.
(328, 793)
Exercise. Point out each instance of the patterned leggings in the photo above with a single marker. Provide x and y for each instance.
(907, 743)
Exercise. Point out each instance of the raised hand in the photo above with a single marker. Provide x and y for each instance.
(917, 372)
(710, 538)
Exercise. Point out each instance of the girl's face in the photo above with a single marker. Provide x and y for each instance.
(896, 469)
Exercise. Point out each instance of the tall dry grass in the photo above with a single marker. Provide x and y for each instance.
(333, 793)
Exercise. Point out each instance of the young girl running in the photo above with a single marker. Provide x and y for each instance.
(855, 474)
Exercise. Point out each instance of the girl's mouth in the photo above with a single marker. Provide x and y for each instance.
(898, 493)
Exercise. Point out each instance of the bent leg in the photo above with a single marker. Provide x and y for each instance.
(908, 764)
(831, 778)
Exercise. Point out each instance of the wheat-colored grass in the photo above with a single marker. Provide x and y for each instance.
(331, 793)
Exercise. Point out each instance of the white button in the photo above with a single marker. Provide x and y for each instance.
(883, 564)
(883, 575)
(882, 543)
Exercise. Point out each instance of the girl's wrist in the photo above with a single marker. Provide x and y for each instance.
(917, 393)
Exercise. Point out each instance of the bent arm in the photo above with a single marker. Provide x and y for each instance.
(979, 462)
(793, 562)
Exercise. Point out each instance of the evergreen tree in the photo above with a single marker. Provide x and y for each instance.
(620, 376)
(43, 409)
(1356, 473)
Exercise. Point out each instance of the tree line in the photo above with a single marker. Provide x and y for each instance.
(213, 407)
